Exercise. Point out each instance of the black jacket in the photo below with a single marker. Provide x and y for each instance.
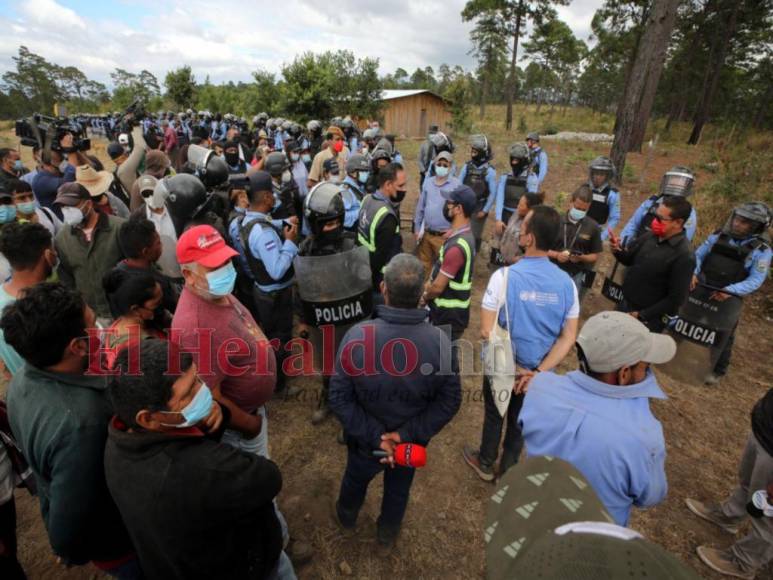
(762, 421)
(194, 508)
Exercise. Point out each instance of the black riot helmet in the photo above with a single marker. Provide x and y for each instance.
(276, 163)
(211, 169)
(187, 200)
(756, 212)
(323, 204)
(677, 181)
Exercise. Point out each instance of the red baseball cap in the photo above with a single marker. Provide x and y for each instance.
(205, 246)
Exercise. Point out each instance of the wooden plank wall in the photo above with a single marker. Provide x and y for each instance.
(402, 117)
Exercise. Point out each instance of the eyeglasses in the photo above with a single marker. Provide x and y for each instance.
(665, 219)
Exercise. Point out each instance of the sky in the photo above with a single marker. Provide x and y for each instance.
(228, 39)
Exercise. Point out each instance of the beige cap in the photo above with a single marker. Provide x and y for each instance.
(615, 340)
(444, 155)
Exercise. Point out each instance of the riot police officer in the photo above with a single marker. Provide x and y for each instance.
(439, 142)
(539, 162)
(481, 177)
(380, 157)
(353, 188)
(605, 205)
(315, 140)
(735, 260)
(189, 203)
(677, 181)
(378, 225)
(285, 189)
(266, 255)
(511, 188)
(323, 284)
(449, 288)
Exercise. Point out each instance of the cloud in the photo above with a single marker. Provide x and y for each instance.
(230, 39)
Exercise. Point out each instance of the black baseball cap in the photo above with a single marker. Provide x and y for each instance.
(115, 150)
(464, 196)
(260, 181)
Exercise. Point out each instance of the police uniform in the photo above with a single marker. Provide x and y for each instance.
(641, 220)
(737, 267)
(538, 169)
(267, 259)
(509, 192)
(353, 194)
(452, 307)
(605, 208)
(483, 181)
(378, 229)
(286, 199)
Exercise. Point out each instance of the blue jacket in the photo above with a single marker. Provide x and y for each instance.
(417, 404)
(534, 180)
(605, 431)
(757, 264)
(629, 231)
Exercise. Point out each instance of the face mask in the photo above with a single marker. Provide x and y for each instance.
(576, 214)
(27, 208)
(294, 157)
(658, 228)
(478, 158)
(7, 213)
(72, 215)
(331, 236)
(363, 176)
(447, 213)
(221, 281)
(441, 171)
(399, 195)
(195, 411)
(338, 146)
(18, 165)
(306, 158)
(232, 158)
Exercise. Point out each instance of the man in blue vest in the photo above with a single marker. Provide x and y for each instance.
(605, 205)
(735, 260)
(539, 163)
(266, 254)
(542, 314)
(480, 175)
(449, 288)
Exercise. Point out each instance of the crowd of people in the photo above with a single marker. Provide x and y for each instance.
(152, 311)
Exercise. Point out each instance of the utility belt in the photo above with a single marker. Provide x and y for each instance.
(269, 294)
(435, 232)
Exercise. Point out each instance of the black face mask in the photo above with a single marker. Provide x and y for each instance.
(399, 195)
(232, 158)
(447, 213)
(478, 158)
(518, 167)
(330, 237)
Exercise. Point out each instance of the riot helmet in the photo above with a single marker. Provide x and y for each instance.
(276, 163)
(208, 167)
(286, 125)
(480, 149)
(187, 199)
(601, 167)
(357, 163)
(677, 181)
(314, 127)
(440, 142)
(324, 204)
(756, 213)
(519, 157)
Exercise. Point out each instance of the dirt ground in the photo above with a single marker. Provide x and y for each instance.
(442, 536)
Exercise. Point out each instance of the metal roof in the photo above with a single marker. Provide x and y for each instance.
(388, 95)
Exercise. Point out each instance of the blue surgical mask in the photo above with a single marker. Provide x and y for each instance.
(18, 165)
(27, 207)
(441, 171)
(306, 158)
(576, 214)
(7, 213)
(195, 411)
(221, 281)
(363, 176)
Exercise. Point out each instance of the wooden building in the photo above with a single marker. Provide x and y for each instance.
(409, 113)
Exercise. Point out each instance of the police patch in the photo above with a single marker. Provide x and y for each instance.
(761, 266)
(270, 245)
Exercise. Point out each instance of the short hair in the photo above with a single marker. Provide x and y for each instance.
(19, 186)
(389, 173)
(5, 152)
(24, 243)
(533, 199)
(136, 234)
(404, 280)
(679, 207)
(583, 194)
(125, 289)
(151, 388)
(544, 225)
(43, 321)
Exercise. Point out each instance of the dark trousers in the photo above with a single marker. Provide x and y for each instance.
(360, 470)
(10, 569)
(492, 430)
(654, 325)
(723, 361)
(275, 316)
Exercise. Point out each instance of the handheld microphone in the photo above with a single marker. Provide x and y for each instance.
(407, 454)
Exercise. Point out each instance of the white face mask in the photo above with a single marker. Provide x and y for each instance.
(72, 215)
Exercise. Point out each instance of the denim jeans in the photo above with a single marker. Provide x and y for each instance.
(259, 446)
(492, 430)
(360, 471)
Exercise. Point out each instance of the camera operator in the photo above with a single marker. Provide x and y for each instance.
(56, 168)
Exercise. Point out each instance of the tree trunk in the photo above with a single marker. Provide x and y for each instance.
(646, 69)
(511, 80)
(759, 116)
(713, 69)
(483, 92)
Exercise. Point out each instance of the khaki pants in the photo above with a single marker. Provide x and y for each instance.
(755, 472)
(428, 251)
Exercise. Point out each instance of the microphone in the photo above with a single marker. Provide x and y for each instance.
(407, 454)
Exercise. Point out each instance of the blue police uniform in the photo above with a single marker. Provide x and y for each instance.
(640, 221)
(538, 169)
(351, 202)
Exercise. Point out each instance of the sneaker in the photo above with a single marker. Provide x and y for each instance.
(320, 415)
(300, 552)
(724, 562)
(472, 458)
(386, 539)
(712, 379)
(712, 513)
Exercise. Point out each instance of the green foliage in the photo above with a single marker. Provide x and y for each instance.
(142, 85)
(458, 95)
(181, 86)
(522, 127)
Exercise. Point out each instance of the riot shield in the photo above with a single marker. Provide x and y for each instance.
(588, 277)
(335, 292)
(701, 331)
(612, 288)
